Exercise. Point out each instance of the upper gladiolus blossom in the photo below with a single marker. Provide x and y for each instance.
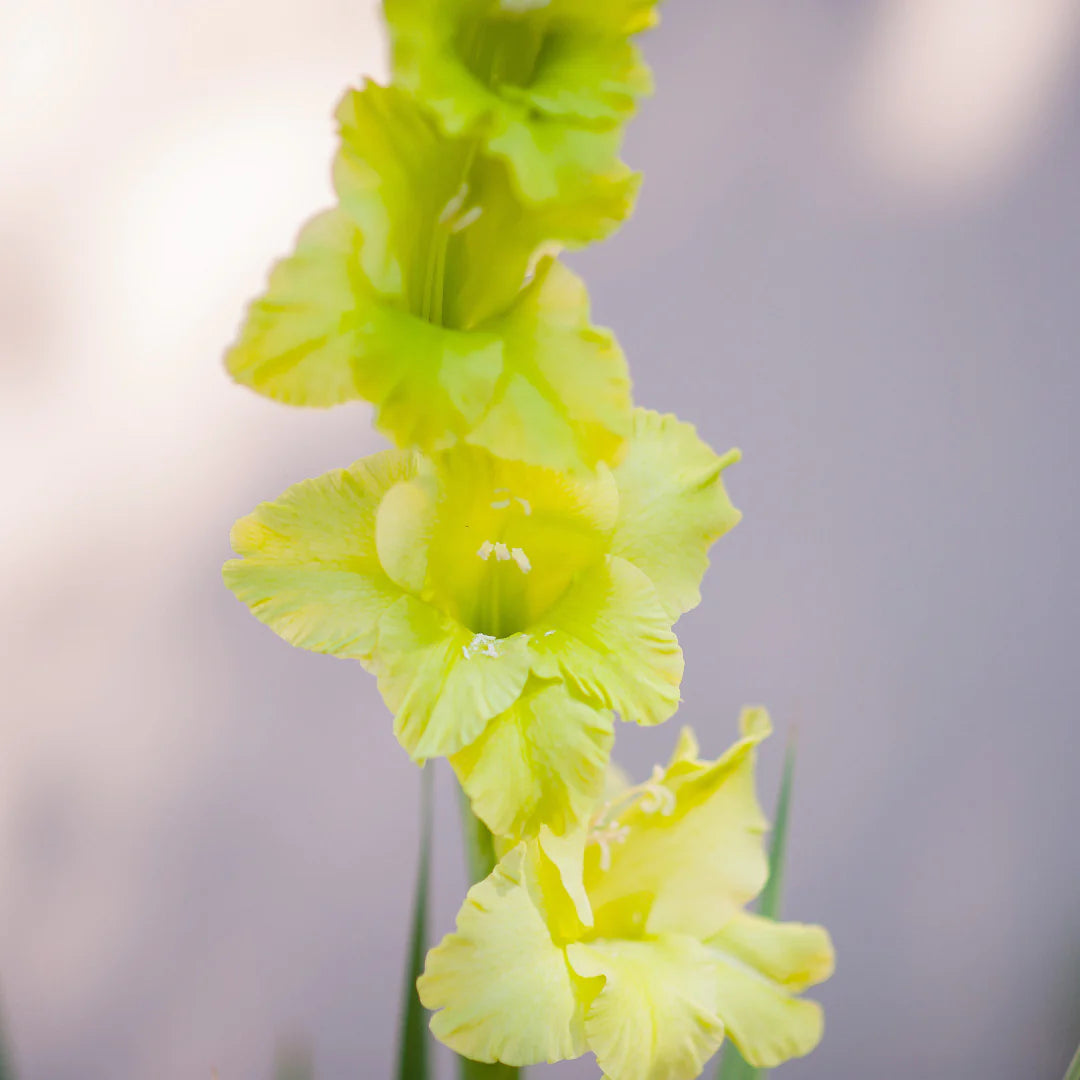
(505, 608)
(629, 939)
(545, 84)
(427, 292)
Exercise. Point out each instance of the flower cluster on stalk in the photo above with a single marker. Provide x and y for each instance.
(512, 570)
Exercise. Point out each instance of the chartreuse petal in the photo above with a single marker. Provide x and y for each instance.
(502, 985)
(761, 966)
(442, 689)
(611, 640)
(544, 86)
(563, 397)
(308, 564)
(584, 79)
(409, 295)
(657, 977)
(604, 16)
(655, 1018)
(672, 506)
(301, 340)
(689, 866)
(539, 763)
(443, 228)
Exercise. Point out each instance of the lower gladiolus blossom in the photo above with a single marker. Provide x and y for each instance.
(506, 609)
(629, 939)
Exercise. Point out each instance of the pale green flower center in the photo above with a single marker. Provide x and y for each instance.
(652, 797)
(504, 47)
(509, 565)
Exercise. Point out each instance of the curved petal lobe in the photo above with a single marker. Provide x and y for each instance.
(672, 506)
(655, 1018)
(502, 987)
(308, 564)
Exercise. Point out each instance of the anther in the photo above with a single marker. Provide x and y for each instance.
(457, 201)
(466, 219)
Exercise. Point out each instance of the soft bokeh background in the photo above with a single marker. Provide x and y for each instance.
(856, 256)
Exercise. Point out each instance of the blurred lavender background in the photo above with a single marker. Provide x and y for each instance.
(856, 256)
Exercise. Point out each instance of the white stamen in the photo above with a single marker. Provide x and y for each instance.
(502, 504)
(466, 219)
(604, 839)
(484, 644)
(457, 201)
(502, 552)
(526, 506)
(548, 633)
(522, 560)
(486, 548)
(656, 798)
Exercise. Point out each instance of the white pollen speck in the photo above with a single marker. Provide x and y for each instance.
(486, 548)
(521, 559)
(526, 506)
(502, 504)
(502, 552)
(548, 633)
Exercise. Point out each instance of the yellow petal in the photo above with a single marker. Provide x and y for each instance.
(300, 341)
(761, 965)
(672, 506)
(655, 1018)
(443, 683)
(611, 639)
(502, 986)
(309, 568)
(540, 762)
(793, 955)
(690, 866)
(565, 399)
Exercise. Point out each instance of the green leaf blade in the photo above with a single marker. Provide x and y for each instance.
(732, 1064)
(413, 1055)
(1074, 1067)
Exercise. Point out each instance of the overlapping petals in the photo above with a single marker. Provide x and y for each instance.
(412, 294)
(506, 609)
(634, 942)
(545, 85)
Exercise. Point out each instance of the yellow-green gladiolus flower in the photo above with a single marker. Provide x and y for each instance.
(546, 84)
(506, 609)
(630, 939)
(412, 294)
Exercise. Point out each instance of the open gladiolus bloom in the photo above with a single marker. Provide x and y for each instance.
(629, 938)
(409, 294)
(506, 609)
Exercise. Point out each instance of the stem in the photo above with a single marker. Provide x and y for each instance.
(480, 860)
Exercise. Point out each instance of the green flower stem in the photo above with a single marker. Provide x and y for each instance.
(480, 860)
